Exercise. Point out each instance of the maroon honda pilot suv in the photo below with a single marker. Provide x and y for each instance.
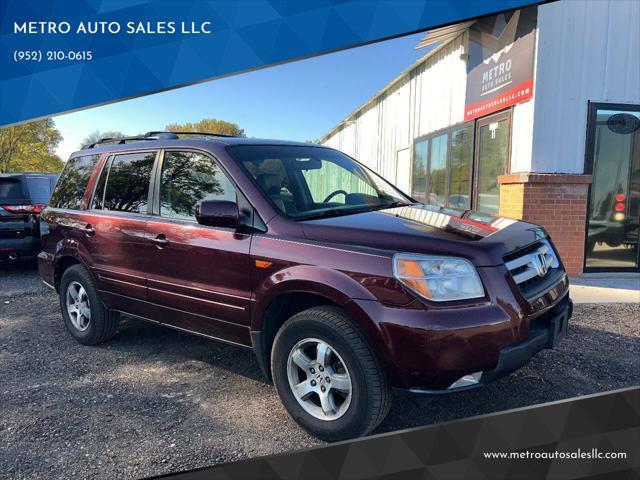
(343, 286)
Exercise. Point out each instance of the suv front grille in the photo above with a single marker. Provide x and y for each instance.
(534, 268)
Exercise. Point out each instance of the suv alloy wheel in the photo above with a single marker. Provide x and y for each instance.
(327, 376)
(78, 306)
(319, 379)
(84, 314)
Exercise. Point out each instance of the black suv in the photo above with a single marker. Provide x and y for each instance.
(22, 197)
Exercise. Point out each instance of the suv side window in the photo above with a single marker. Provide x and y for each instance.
(127, 188)
(98, 195)
(73, 182)
(187, 178)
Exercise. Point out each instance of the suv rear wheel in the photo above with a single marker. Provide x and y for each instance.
(84, 314)
(327, 376)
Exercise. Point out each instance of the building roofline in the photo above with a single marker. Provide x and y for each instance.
(392, 83)
(444, 34)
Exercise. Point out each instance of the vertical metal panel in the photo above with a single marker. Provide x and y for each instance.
(521, 136)
(403, 170)
(428, 97)
(587, 51)
(442, 89)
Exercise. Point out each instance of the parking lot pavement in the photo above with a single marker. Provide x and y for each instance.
(153, 401)
(19, 277)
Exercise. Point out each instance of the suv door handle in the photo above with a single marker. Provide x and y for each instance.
(161, 240)
(88, 230)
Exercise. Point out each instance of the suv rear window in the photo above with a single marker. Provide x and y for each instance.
(39, 189)
(11, 189)
(73, 182)
(127, 188)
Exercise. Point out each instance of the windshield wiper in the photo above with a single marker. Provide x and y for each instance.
(395, 204)
(337, 212)
(334, 212)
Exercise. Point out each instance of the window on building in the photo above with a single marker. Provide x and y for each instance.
(419, 177)
(438, 169)
(461, 159)
(613, 158)
(442, 168)
(187, 178)
(127, 188)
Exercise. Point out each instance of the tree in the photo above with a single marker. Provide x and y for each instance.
(30, 147)
(208, 125)
(97, 135)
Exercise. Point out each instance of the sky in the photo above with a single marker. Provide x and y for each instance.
(299, 101)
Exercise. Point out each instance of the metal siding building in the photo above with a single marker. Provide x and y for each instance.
(587, 51)
(380, 133)
(586, 55)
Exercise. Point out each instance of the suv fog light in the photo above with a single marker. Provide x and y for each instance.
(466, 381)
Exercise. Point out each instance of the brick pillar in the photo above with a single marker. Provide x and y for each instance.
(558, 202)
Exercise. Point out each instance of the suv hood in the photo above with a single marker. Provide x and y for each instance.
(484, 239)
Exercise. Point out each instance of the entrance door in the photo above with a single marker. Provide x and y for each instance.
(492, 156)
(613, 158)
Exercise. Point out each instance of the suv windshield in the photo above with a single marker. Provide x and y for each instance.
(313, 182)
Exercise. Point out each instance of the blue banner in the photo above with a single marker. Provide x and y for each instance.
(63, 55)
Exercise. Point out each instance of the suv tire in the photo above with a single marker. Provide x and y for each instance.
(361, 399)
(84, 314)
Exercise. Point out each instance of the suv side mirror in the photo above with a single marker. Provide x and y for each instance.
(218, 213)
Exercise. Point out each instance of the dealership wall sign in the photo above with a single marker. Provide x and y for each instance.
(500, 62)
(623, 123)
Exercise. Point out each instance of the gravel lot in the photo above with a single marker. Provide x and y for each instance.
(154, 401)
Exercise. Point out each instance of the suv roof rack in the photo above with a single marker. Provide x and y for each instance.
(119, 140)
(165, 134)
(154, 135)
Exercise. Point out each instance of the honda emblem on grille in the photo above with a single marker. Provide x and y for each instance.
(540, 264)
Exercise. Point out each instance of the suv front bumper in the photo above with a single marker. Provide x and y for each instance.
(426, 348)
(547, 332)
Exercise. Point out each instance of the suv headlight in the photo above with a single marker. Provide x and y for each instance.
(437, 278)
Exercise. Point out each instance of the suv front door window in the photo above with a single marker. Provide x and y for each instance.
(187, 178)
